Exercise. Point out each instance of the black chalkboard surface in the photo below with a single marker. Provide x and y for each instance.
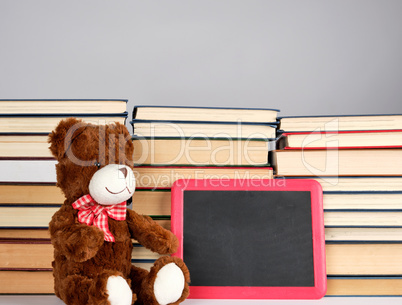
(257, 239)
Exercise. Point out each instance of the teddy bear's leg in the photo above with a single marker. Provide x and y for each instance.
(108, 288)
(69, 288)
(166, 283)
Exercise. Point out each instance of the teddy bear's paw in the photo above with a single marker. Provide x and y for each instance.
(169, 284)
(118, 290)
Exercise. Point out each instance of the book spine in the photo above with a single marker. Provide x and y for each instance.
(189, 107)
(269, 124)
(287, 133)
(63, 115)
(342, 147)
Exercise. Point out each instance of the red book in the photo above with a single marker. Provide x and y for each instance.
(341, 139)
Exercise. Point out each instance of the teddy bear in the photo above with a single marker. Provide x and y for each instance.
(93, 231)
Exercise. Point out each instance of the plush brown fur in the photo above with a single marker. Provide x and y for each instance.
(83, 261)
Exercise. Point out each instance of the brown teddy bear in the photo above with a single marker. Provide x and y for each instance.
(93, 230)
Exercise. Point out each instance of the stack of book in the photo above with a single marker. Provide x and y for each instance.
(28, 193)
(172, 143)
(358, 161)
(25, 124)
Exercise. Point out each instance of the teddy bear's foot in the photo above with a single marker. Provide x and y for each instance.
(166, 283)
(108, 288)
(169, 284)
(119, 291)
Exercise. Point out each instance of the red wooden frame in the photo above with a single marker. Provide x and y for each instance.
(227, 292)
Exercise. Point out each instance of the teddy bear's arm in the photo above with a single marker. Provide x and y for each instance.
(78, 242)
(150, 234)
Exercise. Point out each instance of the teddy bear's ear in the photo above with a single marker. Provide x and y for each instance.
(62, 133)
(121, 129)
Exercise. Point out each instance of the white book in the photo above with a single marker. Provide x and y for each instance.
(28, 171)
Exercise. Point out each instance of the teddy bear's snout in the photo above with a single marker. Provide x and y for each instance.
(112, 184)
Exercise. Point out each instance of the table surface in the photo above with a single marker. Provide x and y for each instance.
(53, 300)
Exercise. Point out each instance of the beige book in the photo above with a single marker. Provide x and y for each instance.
(30, 194)
(45, 124)
(26, 234)
(206, 151)
(164, 177)
(26, 217)
(197, 130)
(363, 234)
(24, 146)
(62, 106)
(359, 219)
(364, 286)
(217, 114)
(357, 201)
(152, 202)
(26, 282)
(364, 259)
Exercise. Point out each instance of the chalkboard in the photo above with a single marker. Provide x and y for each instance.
(251, 239)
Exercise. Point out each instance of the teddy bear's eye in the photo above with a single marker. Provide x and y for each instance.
(97, 164)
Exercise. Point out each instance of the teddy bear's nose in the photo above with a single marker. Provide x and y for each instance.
(124, 171)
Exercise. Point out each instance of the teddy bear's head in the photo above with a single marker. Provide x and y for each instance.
(93, 159)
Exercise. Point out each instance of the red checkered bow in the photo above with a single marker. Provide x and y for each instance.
(90, 212)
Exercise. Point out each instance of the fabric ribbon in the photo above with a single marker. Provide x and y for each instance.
(92, 213)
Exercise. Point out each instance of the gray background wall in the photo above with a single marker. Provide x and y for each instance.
(305, 57)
